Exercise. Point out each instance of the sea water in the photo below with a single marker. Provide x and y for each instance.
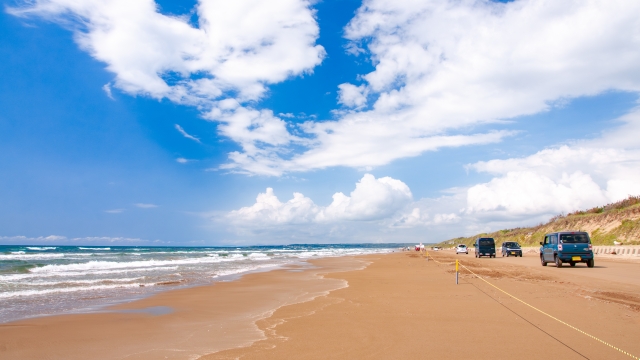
(49, 280)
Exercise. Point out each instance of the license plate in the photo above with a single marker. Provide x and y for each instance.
(576, 258)
(513, 253)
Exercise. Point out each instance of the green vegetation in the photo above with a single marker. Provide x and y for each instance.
(619, 221)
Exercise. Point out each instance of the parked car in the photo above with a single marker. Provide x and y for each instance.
(510, 248)
(485, 247)
(567, 246)
(462, 249)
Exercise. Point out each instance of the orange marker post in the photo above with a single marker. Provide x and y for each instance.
(456, 271)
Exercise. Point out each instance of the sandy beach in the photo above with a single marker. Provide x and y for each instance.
(377, 306)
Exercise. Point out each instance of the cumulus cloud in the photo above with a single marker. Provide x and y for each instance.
(523, 191)
(372, 199)
(562, 179)
(377, 210)
(529, 193)
(352, 96)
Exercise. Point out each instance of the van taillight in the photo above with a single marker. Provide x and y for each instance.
(590, 247)
(559, 247)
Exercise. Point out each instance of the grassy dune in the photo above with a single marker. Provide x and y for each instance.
(619, 222)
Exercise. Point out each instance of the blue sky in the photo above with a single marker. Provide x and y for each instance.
(416, 128)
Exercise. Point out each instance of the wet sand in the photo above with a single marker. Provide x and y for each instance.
(400, 306)
(177, 324)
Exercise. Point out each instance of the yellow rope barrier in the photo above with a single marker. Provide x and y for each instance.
(535, 308)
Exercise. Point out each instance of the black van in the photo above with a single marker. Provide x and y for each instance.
(485, 247)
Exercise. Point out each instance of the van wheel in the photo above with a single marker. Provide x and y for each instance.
(544, 263)
(590, 263)
(558, 262)
(572, 264)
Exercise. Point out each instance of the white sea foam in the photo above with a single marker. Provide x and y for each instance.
(19, 277)
(92, 248)
(259, 256)
(78, 282)
(6, 295)
(21, 255)
(101, 265)
(37, 248)
(242, 270)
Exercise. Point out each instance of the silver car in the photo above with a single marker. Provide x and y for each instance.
(462, 248)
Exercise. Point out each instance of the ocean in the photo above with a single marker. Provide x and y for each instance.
(49, 280)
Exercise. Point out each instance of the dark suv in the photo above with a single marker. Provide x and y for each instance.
(566, 246)
(510, 248)
(485, 247)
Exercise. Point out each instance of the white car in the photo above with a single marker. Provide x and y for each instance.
(462, 249)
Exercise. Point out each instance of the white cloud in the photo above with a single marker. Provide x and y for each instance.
(185, 134)
(372, 199)
(377, 210)
(182, 160)
(268, 209)
(240, 45)
(443, 67)
(529, 193)
(562, 179)
(222, 66)
(114, 211)
(145, 206)
(352, 96)
(107, 89)
(446, 218)
(522, 192)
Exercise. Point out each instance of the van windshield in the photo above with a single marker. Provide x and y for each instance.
(512, 245)
(574, 238)
(486, 242)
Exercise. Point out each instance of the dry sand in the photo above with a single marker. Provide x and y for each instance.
(400, 306)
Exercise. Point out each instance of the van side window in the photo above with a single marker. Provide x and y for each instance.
(554, 239)
(546, 240)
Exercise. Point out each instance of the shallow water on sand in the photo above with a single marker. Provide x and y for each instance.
(48, 280)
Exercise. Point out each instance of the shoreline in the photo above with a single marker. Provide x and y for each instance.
(181, 323)
(115, 302)
(39, 281)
